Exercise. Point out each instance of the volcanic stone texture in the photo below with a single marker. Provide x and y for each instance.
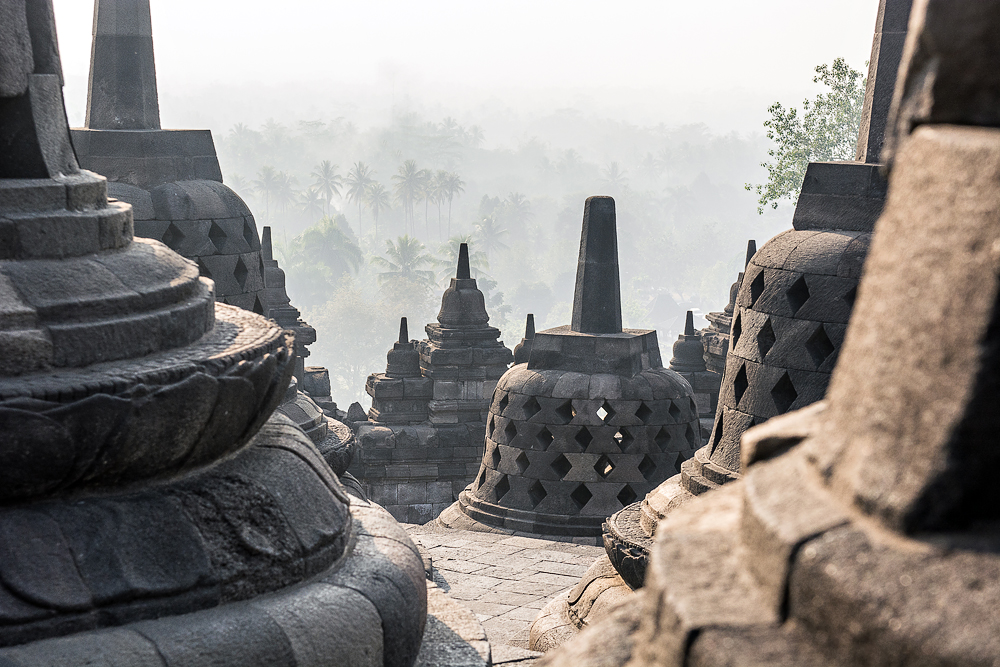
(564, 450)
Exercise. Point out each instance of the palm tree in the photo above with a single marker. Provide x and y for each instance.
(453, 186)
(266, 184)
(439, 191)
(311, 203)
(408, 184)
(614, 176)
(358, 180)
(378, 200)
(519, 208)
(327, 181)
(284, 190)
(404, 261)
(426, 192)
(488, 232)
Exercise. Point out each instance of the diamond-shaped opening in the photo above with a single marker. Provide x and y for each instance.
(202, 268)
(765, 339)
(495, 457)
(691, 436)
(644, 413)
(561, 466)
(798, 294)
(502, 487)
(173, 236)
(581, 496)
(258, 307)
(544, 438)
(737, 330)
(717, 432)
(756, 288)
(531, 408)
(584, 437)
(241, 272)
(663, 439)
(675, 412)
(784, 394)
(606, 413)
(510, 432)
(604, 466)
(851, 297)
(537, 493)
(522, 462)
(648, 468)
(819, 346)
(627, 496)
(249, 236)
(482, 479)
(217, 235)
(490, 424)
(565, 412)
(740, 384)
(624, 439)
(502, 405)
(678, 462)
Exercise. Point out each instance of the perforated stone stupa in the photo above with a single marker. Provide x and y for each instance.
(864, 529)
(153, 511)
(592, 421)
(799, 289)
(171, 178)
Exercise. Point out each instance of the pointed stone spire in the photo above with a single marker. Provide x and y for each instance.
(404, 335)
(464, 269)
(689, 324)
(523, 350)
(33, 132)
(597, 304)
(751, 251)
(265, 245)
(122, 93)
(887, 51)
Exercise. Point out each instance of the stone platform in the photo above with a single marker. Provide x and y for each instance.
(505, 580)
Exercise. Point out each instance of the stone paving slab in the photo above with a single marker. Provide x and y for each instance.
(503, 579)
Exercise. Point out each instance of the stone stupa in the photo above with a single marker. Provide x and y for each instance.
(864, 529)
(154, 512)
(592, 422)
(798, 290)
(171, 178)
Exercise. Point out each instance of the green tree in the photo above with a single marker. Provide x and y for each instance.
(378, 200)
(319, 258)
(266, 185)
(478, 262)
(452, 187)
(406, 280)
(311, 203)
(409, 184)
(327, 181)
(489, 232)
(359, 178)
(826, 129)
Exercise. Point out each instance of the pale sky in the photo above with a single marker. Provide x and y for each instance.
(720, 62)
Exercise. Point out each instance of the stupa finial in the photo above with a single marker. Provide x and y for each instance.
(464, 271)
(529, 327)
(404, 335)
(689, 324)
(122, 93)
(597, 303)
(751, 251)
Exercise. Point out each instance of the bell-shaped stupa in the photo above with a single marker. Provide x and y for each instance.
(593, 421)
(171, 178)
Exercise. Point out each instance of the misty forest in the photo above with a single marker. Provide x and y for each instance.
(366, 221)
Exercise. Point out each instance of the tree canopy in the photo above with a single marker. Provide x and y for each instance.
(826, 129)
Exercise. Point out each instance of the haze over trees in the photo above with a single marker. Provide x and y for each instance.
(367, 222)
